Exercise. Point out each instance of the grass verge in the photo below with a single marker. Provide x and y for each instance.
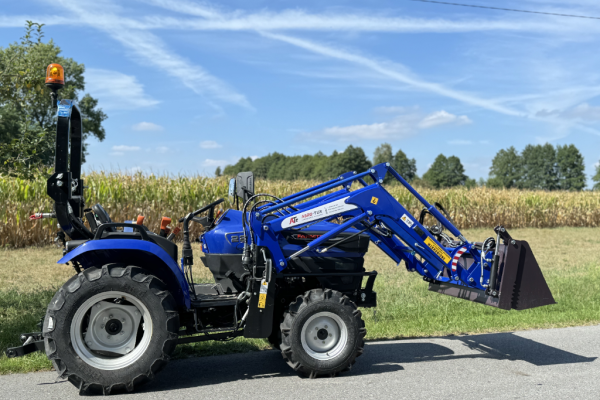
(568, 258)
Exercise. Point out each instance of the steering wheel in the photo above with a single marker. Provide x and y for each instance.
(210, 207)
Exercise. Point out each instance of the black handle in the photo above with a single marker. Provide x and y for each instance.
(188, 258)
(103, 227)
(211, 205)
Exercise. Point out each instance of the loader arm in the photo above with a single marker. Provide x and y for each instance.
(460, 268)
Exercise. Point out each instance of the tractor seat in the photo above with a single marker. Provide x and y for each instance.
(102, 216)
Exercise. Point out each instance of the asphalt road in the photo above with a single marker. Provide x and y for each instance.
(544, 364)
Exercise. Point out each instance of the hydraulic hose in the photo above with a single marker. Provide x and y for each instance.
(494, 271)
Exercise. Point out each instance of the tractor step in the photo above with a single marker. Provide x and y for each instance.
(212, 295)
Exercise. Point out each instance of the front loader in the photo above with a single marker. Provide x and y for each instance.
(290, 270)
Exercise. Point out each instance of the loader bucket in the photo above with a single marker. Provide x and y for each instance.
(520, 284)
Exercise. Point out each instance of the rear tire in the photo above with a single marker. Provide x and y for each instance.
(141, 325)
(322, 333)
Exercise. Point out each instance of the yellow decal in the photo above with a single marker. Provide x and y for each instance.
(374, 200)
(437, 250)
(262, 300)
(262, 297)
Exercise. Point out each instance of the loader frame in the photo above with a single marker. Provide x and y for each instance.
(403, 238)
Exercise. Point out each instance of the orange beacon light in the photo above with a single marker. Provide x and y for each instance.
(55, 80)
(55, 76)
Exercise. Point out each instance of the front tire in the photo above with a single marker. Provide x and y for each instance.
(111, 328)
(322, 333)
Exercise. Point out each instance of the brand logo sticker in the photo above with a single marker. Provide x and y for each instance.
(326, 210)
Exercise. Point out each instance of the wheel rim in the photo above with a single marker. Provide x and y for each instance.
(111, 330)
(324, 336)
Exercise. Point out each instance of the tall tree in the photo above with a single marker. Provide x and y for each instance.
(596, 178)
(539, 167)
(506, 170)
(406, 167)
(352, 159)
(446, 172)
(569, 163)
(27, 123)
(383, 153)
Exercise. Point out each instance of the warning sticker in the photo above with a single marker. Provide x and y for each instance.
(374, 200)
(329, 209)
(437, 250)
(407, 220)
(262, 296)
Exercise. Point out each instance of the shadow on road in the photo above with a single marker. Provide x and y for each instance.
(378, 358)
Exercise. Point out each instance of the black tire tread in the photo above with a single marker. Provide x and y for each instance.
(119, 271)
(296, 307)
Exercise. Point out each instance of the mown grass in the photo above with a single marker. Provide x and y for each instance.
(568, 258)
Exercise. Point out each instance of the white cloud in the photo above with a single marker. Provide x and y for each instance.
(162, 149)
(458, 142)
(393, 71)
(442, 118)
(210, 144)
(147, 126)
(214, 163)
(151, 51)
(401, 126)
(253, 158)
(582, 112)
(212, 18)
(124, 148)
(115, 90)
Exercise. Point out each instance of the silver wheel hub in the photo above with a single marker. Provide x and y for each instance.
(324, 336)
(111, 330)
(112, 327)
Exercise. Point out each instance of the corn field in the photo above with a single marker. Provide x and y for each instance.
(127, 196)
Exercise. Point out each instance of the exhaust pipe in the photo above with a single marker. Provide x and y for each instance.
(516, 280)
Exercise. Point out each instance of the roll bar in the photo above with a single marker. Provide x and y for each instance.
(65, 186)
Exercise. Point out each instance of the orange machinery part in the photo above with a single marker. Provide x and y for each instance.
(164, 223)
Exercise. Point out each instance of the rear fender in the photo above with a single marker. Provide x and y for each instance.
(141, 253)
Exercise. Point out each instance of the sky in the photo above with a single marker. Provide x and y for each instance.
(192, 85)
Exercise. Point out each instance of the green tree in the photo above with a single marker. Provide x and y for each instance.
(352, 159)
(539, 167)
(596, 178)
(506, 170)
(446, 172)
(27, 123)
(318, 166)
(383, 154)
(569, 163)
(406, 167)
(218, 171)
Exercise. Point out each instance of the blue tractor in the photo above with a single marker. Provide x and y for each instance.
(288, 269)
